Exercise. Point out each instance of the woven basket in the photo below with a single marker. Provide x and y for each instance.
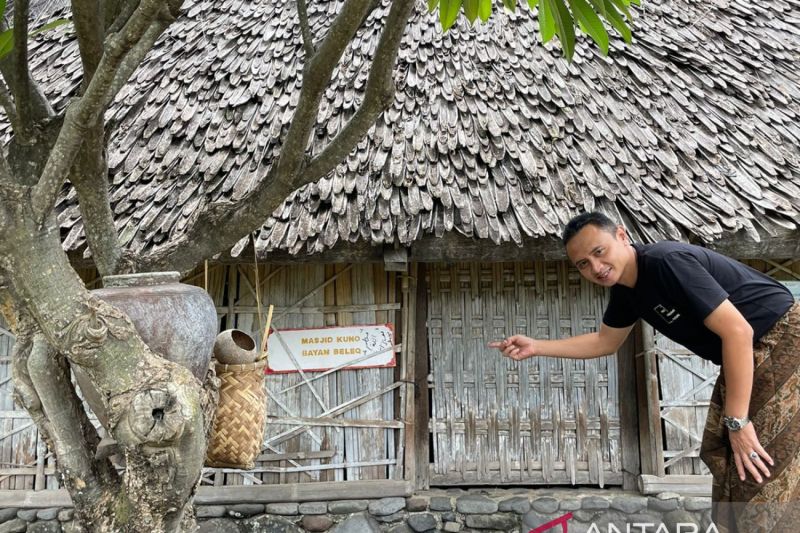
(241, 416)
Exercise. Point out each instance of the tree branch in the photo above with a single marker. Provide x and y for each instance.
(31, 93)
(89, 176)
(20, 53)
(72, 436)
(9, 107)
(230, 221)
(378, 95)
(117, 64)
(90, 31)
(305, 29)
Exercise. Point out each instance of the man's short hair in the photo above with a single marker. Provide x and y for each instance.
(595, 218)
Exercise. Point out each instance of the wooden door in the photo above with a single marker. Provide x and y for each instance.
(539, 421)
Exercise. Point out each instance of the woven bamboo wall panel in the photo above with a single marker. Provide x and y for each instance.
(302, 296)
(539, 421)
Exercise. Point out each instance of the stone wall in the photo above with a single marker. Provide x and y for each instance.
(475, 510)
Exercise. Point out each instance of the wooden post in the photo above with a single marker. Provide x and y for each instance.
(628, 414)
(420, 434)
(650, 438)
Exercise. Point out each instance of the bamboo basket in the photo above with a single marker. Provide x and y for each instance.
(240, 421)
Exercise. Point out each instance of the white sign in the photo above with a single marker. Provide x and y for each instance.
(325, 348)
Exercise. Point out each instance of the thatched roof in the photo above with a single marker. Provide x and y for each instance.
(690, 133)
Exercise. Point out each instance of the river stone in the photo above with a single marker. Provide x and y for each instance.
(8, 514)
(391, 518)
(475, 504)
(629, 504)
(317, 522)
(29, 515)
(569, 504)
(17, 525)
(545, 505)
(416, 504)
(441, 503)
(594, 503)
(452, 527)
(517, 504)
(502, 522)
(48, 514)
(386, 506)
(676, 518)
(585, 516)
(662, 505)
(273, 524)
(313, 508)
(401, 528)
(358, 523)
(218, 525)
(282, 508)
(45, 526)
(348, 506)
(422, 522)
(244, 510)
(65, 515)
(695, 503)
(532, 520)
(210, 511)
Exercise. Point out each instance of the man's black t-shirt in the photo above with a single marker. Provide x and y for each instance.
(678, 285)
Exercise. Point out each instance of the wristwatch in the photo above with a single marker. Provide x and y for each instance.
(735, 424)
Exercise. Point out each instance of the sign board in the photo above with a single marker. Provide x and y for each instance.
(369, 346)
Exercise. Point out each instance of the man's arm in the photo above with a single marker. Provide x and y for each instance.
(603, 342)
(737, 366)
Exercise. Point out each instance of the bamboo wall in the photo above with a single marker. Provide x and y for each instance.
(538, 421)
(352, 437)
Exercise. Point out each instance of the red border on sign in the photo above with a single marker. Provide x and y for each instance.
(390, 364)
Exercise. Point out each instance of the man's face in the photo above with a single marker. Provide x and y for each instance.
(600, 256)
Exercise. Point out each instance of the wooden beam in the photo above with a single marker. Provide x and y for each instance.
(334, 422)
(628, 413)
(650, 439)
(690, 485)
(206, 495)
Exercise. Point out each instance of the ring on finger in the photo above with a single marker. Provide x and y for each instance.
(753, 456)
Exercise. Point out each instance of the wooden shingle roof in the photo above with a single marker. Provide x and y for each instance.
(690, 133)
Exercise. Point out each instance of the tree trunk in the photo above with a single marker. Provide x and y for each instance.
(158, 411)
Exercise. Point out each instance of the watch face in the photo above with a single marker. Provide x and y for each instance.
(735, 424)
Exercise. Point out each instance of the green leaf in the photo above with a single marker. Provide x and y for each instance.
(565, 27)
(471, 9)
(616, 20)
(590, 23)
(432, 5)
(49, 26)
(511, 5)
(448, 12)
(2, 8)
(533, 4)
(6, 42)
(547, 25)
(599, 7)
(485, 9)
(622, 6)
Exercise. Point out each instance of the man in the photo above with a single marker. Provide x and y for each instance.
(723, 311)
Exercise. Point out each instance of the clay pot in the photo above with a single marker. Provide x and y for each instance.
(175, 320)
(235, 347)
